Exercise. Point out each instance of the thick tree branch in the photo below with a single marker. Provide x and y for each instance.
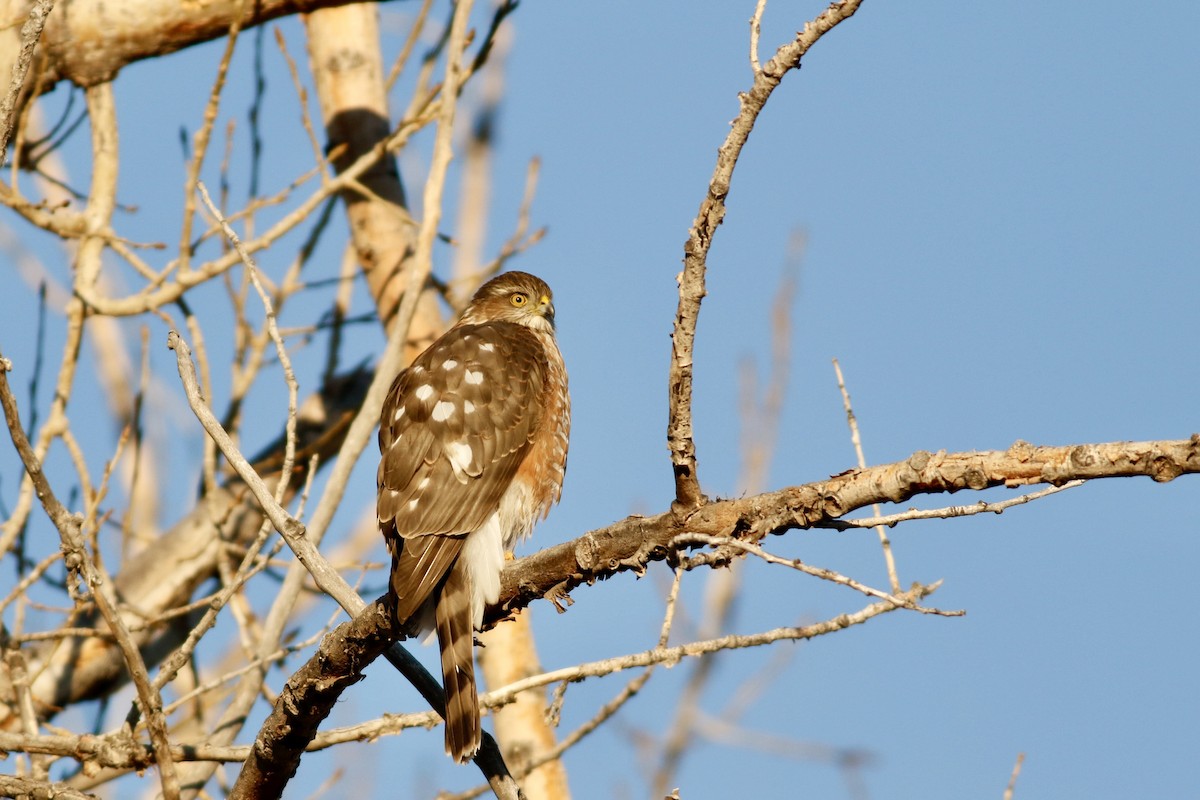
(12, 786)
(307, 698)
(17, 58)
(347, 68)
(88, 42)
(635, 541)
(632, 543)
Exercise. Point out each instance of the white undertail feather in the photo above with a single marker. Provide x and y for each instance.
(483, 553)
(518, 513)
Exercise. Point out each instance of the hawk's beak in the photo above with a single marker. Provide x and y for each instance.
(546, 308)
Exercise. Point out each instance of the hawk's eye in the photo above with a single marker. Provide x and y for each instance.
(519, 299)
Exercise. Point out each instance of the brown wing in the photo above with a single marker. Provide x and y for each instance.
(456, 425)
(417, 566)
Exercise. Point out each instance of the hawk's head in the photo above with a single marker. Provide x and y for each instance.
(516, 297)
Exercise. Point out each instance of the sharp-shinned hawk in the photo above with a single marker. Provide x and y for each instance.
(473, 447)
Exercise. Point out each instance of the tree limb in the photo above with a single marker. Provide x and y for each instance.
(89, 41)
(635, 541)
(12, 786)
(307, 698)
(712, 212)
(17, 60)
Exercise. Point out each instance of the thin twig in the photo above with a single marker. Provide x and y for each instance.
(664, 635)
(208, 465)
(520, 241)
(1012, 779)
(18, 676)
(99, 583)
(755, 32)
(293, 532)
(848, 761)
(255, 663)
(29, 578)
(302, 98)
(200, 144)
(141, 484)
(673, 655)
(852, 420)
(414, 33)
(289, 376)
(470, 230)
(250, 566)
(816, 572)
(948, 512)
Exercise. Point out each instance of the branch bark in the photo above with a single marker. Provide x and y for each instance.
(307, 698)
(18, 53)
(635, 541)
(12, 786)
(89, 41)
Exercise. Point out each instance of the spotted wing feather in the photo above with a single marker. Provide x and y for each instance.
(446, 434)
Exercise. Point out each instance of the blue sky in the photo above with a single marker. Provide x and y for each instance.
(1000, 204)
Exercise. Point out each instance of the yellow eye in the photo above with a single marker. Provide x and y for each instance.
(519, 299)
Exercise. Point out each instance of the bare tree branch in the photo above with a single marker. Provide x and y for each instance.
(680, 439)
(12, 786)
(30, 32)
(635, 541)
(982, 507)
(1012, 779)
(308, 697)
(150, 607)
(98, 584)
(166, 574)
(97, 39)
(347, 67)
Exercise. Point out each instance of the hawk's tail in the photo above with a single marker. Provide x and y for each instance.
(456, 636)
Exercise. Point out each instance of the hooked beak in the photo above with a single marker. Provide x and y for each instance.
(546, 308)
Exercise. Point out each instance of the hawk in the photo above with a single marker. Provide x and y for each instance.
(473, 448)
